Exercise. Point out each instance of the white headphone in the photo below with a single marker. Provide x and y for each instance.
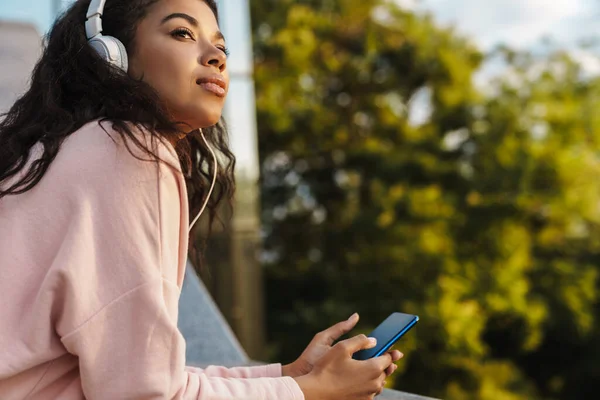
(109, 48)
(213, 181)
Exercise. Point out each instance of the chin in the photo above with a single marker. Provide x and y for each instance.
(203, 119)
(210, 120)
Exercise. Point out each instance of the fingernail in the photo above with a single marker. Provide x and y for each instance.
(401, 354)
(373, 341)
(352, 317)
(394, 368)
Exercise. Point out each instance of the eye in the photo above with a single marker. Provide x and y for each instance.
(224, 50)
(182, 33)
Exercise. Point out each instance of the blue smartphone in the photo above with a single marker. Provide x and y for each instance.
(387, 333)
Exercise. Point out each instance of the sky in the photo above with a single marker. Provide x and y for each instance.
(518, 23)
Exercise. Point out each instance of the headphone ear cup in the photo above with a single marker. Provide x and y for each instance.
(110, 50)
(124, 64)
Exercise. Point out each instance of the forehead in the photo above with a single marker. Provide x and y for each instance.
(197, 9)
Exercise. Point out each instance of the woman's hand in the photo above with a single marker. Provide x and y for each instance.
(337, 376)
(321, 344)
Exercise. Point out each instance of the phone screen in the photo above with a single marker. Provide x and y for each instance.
(387, 333)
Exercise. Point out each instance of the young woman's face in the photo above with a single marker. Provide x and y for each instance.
(180, 52)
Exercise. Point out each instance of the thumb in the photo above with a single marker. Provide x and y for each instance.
(332, 333)
(359, 342)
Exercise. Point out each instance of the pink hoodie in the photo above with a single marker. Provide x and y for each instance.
(92, 260)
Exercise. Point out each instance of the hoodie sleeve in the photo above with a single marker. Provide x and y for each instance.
(258, 371)
(121, 263)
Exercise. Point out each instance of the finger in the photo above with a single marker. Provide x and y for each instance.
(391, 369)
(382, 383)
(396, 355)
(382, 362)
(332, 333)
(357, 343)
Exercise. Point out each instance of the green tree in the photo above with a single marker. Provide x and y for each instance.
(537, 158)
(482, 219)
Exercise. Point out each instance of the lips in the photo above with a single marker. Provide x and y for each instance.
(214, 84)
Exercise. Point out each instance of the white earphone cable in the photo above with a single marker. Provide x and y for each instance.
(214, 180)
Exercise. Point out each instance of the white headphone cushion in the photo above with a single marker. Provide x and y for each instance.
(123, 52)
(111, 50)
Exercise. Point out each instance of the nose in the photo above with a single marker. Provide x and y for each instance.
(213, 56)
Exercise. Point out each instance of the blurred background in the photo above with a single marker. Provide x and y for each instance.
(431, 157)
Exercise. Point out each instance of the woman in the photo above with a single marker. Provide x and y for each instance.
(101, 162)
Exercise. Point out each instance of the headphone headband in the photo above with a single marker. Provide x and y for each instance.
(93, 23)
(108, 48)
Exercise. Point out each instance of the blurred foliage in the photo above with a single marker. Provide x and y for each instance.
(391, 183)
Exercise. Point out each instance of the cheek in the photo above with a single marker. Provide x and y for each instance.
(168, 69)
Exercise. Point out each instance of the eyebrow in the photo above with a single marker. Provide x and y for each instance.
(193, 21)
